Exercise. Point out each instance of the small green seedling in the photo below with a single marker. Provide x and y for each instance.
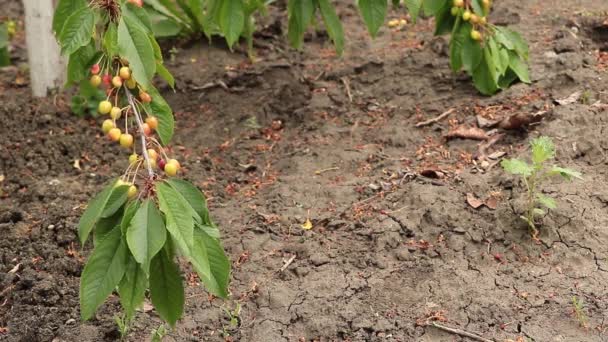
(578, 310)
(534, 175)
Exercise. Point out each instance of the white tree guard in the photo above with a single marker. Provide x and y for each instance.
(47, 67)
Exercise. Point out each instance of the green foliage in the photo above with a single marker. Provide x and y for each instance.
(135, 233)
(534, 175)
(4, 41)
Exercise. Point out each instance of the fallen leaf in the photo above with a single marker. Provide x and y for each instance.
(432, 173)
(464, 132)
(491, 202)
(574, 97)
(15, 269)
(77, 164)
(485, 123)
(473, 201)
(520, 120)
(307, 225)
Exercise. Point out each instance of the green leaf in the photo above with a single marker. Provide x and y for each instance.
(472, 53)
(519, 67)
(106, 225)
(413, 7)
(432, 7)
(117, 198)
(210, 263)
(134, 45)
(180, 223)
(509, 77)
(102, 273)
(478, 7)
(373, 13)
(130, 211)
(146, 234)
(568, 174)
(444, 20)
(546, 201)
(166, 288)
(158, 54)
(332, 24)
(137, 16)
(77, 31)
(93, 212)
(165, 74)
(110, 40)
(458, 37)
(517, 167)
(511, 38)
(132, 288)
(484, 77)
(163, 112)
(300, 13)
(542, 150)
(194, 11)
(231, 20)
(169, 9)
(64, 9)
(194, 197)
(80, 62)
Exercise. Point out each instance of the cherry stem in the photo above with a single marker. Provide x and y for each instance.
(140, 124)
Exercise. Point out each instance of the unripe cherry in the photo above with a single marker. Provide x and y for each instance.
(145, 97)
(152, 163)
(95, 69)
(105, 107)
(133, 158)
(475, 35)
(147, 130)
(117, 81)
(132, 192)
(174, 162)
(459, 3)
(170, 169)
(95, 81)
(115, 113)
(126, 140)
(466, 16)
(114, 134)
(152, 121)
(131, 83)
(125, 73)
(152, 154)
(474, 19)
(483, 20)
(107, 125)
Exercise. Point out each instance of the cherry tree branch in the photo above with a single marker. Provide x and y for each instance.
(140, 125)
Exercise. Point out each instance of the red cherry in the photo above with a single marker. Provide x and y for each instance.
(107, 80)
(161, 164)
(95, 69)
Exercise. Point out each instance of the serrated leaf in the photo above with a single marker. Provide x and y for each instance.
(478, 7)
(117, 198)
(110, 39)
(332, 24)
(132, 288)
(93, 212)
(546, 201)
(146, 234)
(444, 20)
(373, 13)
(165, 74)
(458, 37)
(158, 54)
(542, 150)
(179, 221)
(134, 45)
(166, 288)
(519, 66)
(511, 38)
(163, 112)
(484, 76)
(300, 13)
(106, 225)
(137, 16)
(231, 20)
(472, 53)
(413, 7)
(130, 211)
(509, 77)
(210, 263)
(568, 174)
(432, 7)
(103, 271)
(64, 9)
(517, 167)
(194, 197)
(77, 31)
(80, 62)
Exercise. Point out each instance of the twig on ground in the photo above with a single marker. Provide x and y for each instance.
(461, 332)
(318, 172)
(346, 82)
(436, 119)
(293, 257)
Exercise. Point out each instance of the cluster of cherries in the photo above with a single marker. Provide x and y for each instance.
(124, 80)
(462, 8)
